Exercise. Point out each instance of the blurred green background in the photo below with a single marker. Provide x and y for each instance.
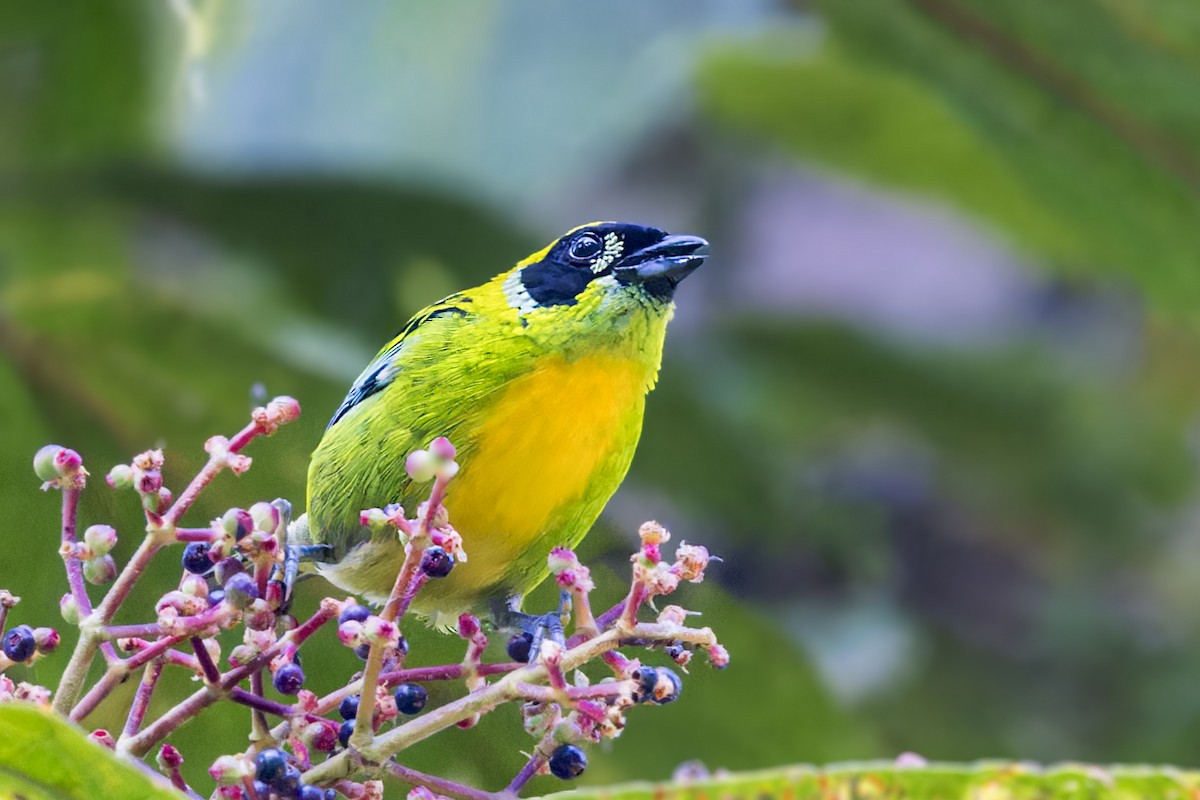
(932, 399)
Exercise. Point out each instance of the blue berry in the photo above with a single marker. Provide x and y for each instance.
(261, 789)
(436, 562)
(289, 679)
(19, 643)
(241, 591)
(316, 793)
(226, 568)
(270, 765)
(355, 613)
(288, 784)
(345, 732)
(410, 698)
(668, 686)
(518, 647)
(349, 706)
(195, 558)
(567, 762)
(647, 679)
(215, 597)
(363, 650)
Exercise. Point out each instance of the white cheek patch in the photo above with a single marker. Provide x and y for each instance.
(518, 298)
(613, 248)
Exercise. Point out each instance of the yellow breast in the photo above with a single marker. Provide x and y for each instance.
(553, 448)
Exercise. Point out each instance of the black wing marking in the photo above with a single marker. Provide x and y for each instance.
(379, 372)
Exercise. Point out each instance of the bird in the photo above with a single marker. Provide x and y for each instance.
(539, 377)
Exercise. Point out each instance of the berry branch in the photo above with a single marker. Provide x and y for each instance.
(346, 742)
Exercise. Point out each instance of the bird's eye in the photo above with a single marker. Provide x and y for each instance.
(585, 248)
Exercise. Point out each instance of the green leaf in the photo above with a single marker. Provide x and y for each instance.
(883, 779)
(1077, 141)
(43, 756)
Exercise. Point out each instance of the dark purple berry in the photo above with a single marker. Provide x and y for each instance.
(402, 646)
(315, 793)
(668, 686)
(262, 790)
(567, 762)
(355, 613)
(410, 698)
(215, 597)
(646, 679)
(270, 764)
(518, 647)
(363, 650)
(288, 784)
(349, 706)
(436, 562)
(226, 568)
(195, 558)
(345, 732)
(289, 679)
(19, 643)
(241, 591)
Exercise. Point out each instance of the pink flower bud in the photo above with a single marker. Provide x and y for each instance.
(350, 633)
(561, 559)
(169, 758)
(283, 409)
(468, 626)
(653, 533)
(718, 656)
(691, 561)
(377, 630)
(672, 615)
(69, 609)
(45, 462)
(238, 464)
(216, 445)
(265, 516)
(441, 448)
(194, 585)
(230, 770)
(147, 481)
(100, 539)
(120, 476)
(236, 523)
(421, 466)
(46, 639)
(32, 693)
(320, 737)
(100, 571)
(104, 738)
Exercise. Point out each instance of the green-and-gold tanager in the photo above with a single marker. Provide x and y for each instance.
(539, 377)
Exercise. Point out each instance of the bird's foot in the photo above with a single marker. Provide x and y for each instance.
(293, 555)
(538, 627)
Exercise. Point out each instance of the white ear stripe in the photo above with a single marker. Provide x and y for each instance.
(518, 298)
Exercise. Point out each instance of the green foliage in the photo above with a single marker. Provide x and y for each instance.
(992, 780)
(42, 757)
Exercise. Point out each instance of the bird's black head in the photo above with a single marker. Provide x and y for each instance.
(626, 255)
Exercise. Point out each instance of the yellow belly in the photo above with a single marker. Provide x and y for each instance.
(552, 450)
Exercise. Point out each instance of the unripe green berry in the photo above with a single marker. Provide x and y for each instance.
(100, 539)
(99, 571)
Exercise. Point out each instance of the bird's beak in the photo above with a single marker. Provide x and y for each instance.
(673, 258)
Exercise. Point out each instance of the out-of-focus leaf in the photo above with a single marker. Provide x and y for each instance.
(1078, 141)
(43, 757)
(74, 81)
(993, 780)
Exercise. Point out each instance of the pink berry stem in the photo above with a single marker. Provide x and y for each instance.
(440, 785)
(141, 699)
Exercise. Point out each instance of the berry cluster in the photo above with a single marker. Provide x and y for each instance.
(231, 579)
